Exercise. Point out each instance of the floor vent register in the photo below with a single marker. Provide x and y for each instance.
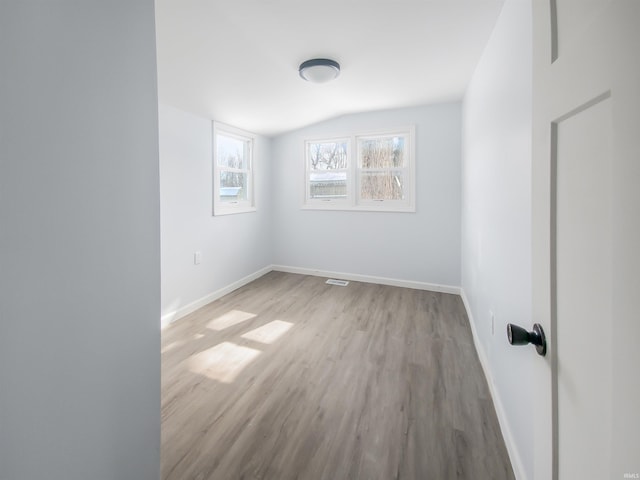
(340, 283)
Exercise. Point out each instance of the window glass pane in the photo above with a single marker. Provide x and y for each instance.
(384, 185)
(328, 185)
(327, 155)
(233, 186)
(232, 152)
(381, 152)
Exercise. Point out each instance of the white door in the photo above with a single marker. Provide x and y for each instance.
(586, 237)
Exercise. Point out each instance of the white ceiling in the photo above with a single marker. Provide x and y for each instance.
(236, 61)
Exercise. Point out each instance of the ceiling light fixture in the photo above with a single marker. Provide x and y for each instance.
(319, 70)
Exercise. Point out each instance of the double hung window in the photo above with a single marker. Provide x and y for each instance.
(328, 170)
(361, 172)
(232, 170)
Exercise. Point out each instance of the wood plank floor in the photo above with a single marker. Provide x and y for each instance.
(290, 378)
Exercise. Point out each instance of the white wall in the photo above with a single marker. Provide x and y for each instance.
(232, 246)
(420, 247)
(79, 241)
(496, 219)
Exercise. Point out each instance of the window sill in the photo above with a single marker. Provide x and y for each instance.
(361, 208)
(219, 211)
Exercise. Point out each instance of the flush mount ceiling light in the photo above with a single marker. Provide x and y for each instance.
(319, 70)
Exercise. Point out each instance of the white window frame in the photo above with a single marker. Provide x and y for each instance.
(243, 206)
(353, 202)
(328, 203)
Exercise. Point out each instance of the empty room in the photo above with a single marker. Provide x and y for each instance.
(288, 159)
(319, 240)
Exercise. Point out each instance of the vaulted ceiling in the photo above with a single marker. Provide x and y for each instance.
(236, 61)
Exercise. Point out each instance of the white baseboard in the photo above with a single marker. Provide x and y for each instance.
(433, 287)
(514, 454)
(201, 302)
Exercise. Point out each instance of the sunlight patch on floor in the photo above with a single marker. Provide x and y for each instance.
(229, 319)
(224, 362)
(269, 332)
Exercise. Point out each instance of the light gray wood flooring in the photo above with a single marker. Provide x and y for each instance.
(290, 378)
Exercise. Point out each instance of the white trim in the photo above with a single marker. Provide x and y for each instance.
(244, 206)
(201, 302)
(233, 210)
(409, 172)
(394, 282)
(514, 454)
(365, 208)
(352, 202)
(329, 203)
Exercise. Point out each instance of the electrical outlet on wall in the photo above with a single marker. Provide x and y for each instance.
(197, 258)
(493, 322)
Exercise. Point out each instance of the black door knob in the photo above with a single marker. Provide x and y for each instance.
(519, 336)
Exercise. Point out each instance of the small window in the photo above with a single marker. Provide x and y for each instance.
(383, 168)
(232, 170)
(381, 178)
(327, 170)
